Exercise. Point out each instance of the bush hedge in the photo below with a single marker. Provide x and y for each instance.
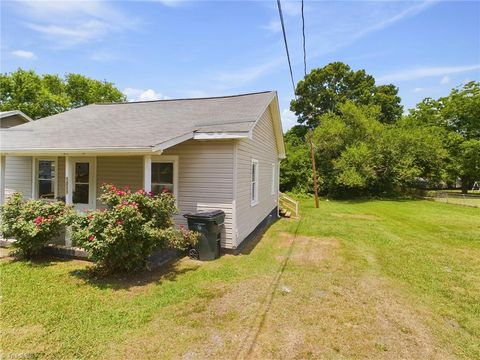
(32, 223)
(123, 235)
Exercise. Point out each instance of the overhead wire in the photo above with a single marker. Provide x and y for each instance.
(286, 46)
(304, 46)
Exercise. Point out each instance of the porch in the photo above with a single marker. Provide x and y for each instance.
(77, 180)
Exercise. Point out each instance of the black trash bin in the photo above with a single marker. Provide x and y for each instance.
(210, 225)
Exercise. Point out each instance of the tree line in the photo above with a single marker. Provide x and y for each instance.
(44, 95)
(364, 145)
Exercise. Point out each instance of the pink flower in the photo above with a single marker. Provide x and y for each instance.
(38, 220)
(91, 237)
(119, 222)
(141, 191)
(120, 193)
(165, 190)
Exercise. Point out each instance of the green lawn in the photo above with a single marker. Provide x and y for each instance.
(359, 279)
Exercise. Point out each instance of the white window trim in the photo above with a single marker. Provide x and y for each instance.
(35, 175)
(254, 196)
(92, 196)
(165, 159)
(274, 175)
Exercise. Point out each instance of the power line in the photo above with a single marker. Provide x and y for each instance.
(286, 45)
(304, 48)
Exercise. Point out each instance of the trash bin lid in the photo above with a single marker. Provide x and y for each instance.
(210, 214)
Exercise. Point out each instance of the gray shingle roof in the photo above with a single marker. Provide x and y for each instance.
(137, 124)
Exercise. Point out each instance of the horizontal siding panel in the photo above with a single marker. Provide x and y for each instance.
(205, 180)
(263, 148)
(18, 175)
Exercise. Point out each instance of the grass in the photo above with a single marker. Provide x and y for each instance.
(353, 279)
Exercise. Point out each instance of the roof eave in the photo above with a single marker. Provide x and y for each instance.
(79, 151)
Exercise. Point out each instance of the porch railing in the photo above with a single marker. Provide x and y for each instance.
(288, 203)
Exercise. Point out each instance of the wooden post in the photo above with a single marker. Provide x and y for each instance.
(314, 171)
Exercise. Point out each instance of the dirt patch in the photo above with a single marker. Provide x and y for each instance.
(27, 341)
(356, 216)
(332, 312)
(211, 327)
(313, 251)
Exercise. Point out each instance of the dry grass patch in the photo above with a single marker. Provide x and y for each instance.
(355, 216)
(328, 312)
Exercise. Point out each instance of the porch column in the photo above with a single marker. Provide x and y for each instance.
(68, 195)
(147, 173)
(2, 179)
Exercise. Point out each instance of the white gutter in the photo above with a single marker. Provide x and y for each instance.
(222, 135)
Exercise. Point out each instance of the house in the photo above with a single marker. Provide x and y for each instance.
(211, 153)
(13, 118)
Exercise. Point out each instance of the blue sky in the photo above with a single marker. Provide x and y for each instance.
(170, 49)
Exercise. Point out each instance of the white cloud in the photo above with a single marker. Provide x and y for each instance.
(143, 95)
(418, 73)
(445, 80)
(273, 26)
(289, 119)
(171, 3)
(24, 54)
(70, 23)
(418, 89)
(237, 78)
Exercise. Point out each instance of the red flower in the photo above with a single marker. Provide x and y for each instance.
(91, 237)
(38, 220)
(119, 222)
(141, 191)
(165, 190)
(120, 192)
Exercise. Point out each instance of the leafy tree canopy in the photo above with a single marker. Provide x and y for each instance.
(456, 118)
(325, 89)
(44, 95)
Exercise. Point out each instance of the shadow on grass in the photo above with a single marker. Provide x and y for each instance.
(124, 281)
(39, 261)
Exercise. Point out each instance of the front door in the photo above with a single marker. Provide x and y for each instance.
(84, 192)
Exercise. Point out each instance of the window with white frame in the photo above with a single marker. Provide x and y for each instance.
(254, 183)
(45, 178)
(272, 192)
(163, 177)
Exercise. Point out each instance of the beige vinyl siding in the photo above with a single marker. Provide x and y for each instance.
(120, 171)
(205, 180)
(18, 175)
(263, 148)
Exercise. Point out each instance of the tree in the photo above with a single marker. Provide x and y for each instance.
(325, 89)
(457, 116)
(44, 95)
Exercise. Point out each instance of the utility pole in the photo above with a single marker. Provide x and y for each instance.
(314, 171)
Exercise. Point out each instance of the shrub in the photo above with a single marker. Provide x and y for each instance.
(134, 224)
(32, 223)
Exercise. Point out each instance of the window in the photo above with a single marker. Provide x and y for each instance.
(163, 178)
(45, 179)
(254, 183)
(273, 179)
(82, 183)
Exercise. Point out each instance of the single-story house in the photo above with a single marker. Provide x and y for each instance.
(211, 153)
(13, 118)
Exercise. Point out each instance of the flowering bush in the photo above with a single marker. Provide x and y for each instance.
(134, 224)
(32, 223)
